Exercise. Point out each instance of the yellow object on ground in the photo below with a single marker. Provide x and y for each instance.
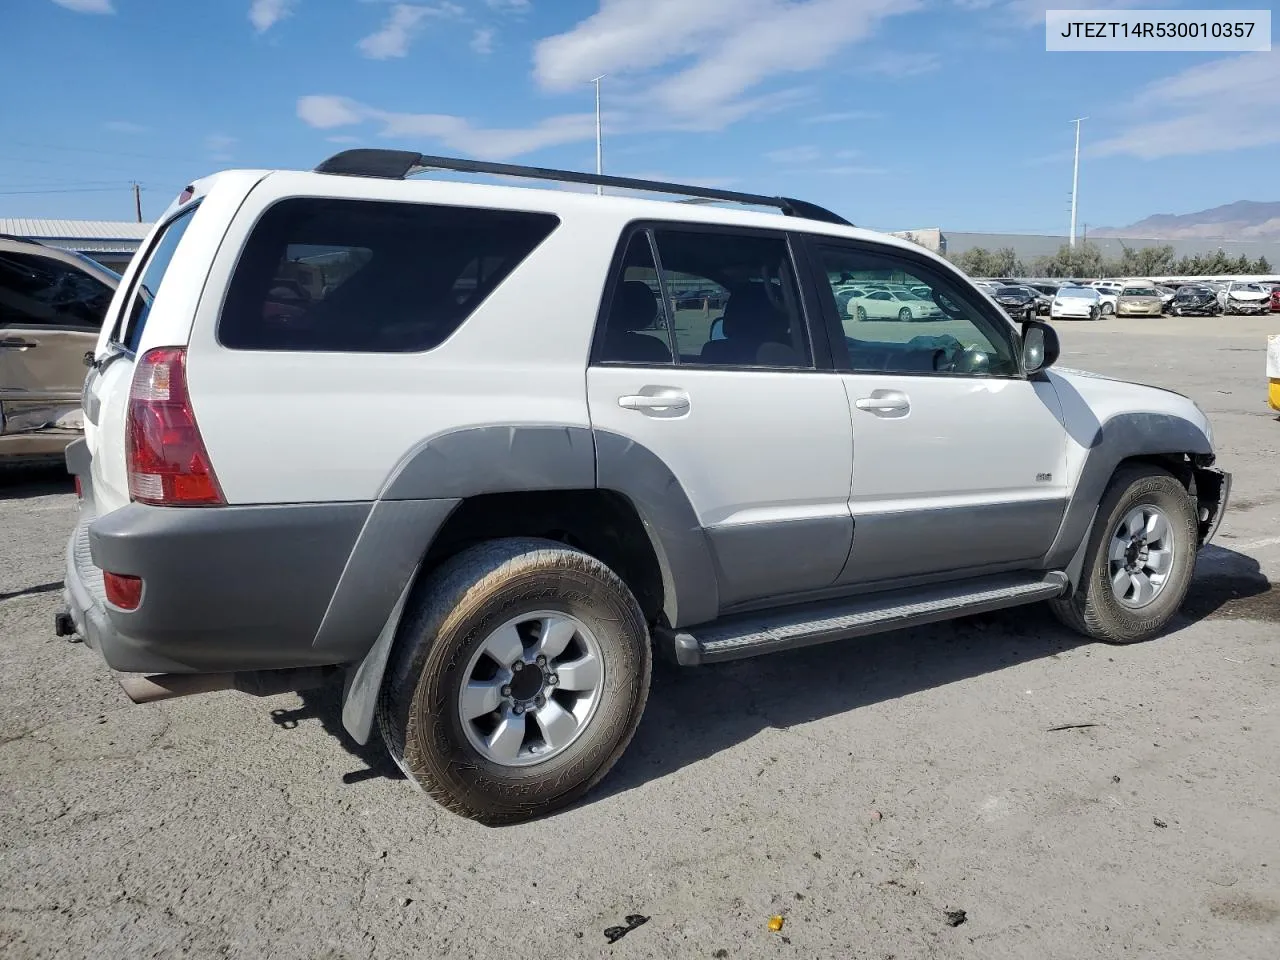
(775, 923)
(1273, 370)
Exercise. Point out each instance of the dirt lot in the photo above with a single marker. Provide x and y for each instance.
(859, 790)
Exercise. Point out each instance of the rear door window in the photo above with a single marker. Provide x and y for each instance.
(42, 291)
(370, 276)
(147, 285)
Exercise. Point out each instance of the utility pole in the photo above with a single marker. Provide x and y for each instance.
(599, 138)
(137, 200)
(1075, 180)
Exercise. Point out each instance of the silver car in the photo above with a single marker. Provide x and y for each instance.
(51, 306)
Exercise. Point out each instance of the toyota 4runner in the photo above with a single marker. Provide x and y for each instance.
(482, 450)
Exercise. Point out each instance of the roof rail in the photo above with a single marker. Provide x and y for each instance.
(398, 164)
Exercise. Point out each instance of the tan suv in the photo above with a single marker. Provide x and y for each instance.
(51, 306)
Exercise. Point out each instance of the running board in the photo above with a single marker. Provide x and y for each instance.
(803, 625)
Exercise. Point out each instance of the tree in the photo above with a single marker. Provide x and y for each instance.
(976, 262)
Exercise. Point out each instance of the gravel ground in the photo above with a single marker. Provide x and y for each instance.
(861, 791)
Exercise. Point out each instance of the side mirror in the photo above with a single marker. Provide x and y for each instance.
(1039, 346)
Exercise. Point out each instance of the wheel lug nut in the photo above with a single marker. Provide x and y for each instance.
(541, 661)
(553, 679)
(518, 709)
(506, 691)
(541, 701)
(517, 667)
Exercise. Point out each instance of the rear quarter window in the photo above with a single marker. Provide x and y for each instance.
(326, 275)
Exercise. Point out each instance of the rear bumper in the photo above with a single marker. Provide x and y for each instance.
(232, 589)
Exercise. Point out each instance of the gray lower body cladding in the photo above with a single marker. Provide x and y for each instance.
(243, 588)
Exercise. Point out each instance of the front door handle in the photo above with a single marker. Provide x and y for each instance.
(884, 401)
(669, 402)
(17, 343)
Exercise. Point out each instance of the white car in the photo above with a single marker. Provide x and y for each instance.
(1081, 303)
(1241, 297)
(892, 305)
(485, 469)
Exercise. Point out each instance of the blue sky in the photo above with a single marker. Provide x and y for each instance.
(896, 113)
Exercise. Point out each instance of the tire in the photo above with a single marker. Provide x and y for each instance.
(454, 615)
(861, 313)
(1177, 311)
(905, 315)
(1108, 309)
(1095, 313)
(1094, 609)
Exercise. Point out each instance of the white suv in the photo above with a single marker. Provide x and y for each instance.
(475, 449)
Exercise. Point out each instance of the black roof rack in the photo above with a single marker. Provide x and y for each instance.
(398, 164)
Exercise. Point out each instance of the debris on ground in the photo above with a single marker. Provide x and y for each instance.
(956, 917)
(721, 954)
(1072, 726)
(405, 901)
(1158, 822)
(876, 816)
(1115, 778)
(614, 934)
(776, 922)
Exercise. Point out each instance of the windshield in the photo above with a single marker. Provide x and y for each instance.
(1010, 292)
(1140, 292)
(1250, 287)
(1078, 293)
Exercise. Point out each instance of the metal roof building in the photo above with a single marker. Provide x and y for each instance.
(111, 242)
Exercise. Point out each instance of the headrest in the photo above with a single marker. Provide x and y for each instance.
(634, 307)
(750, 316)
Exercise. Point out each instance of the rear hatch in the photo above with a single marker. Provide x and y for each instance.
(153, 306)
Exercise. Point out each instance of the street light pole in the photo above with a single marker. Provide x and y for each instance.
(1075, 180)
(599, 138)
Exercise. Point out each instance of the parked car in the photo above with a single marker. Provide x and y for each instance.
(1018, 302)
(1248, 298)
(51, 306)
(1081, 303)
(892, 305)
(1166, 296)
(1139, 301)
(488, 567)
(1196, 300)
(1275, 299)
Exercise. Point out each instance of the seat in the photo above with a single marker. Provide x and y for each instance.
(634, 309)
(755, 333)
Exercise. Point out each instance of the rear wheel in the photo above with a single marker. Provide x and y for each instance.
(861, 313)
(519, 678)
(1139, 561)
(1108, 309)
(905, 315)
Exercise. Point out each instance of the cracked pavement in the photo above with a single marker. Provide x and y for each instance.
(859, 790)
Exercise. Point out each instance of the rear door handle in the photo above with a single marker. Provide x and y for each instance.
(664, 402)
(884, 401)
(17, 343)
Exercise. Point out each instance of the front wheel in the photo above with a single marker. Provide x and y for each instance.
(1140, 557)
(519, 678)
(905, 315)
(861, 313)
(1108, 309)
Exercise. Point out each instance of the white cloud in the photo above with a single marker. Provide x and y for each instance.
(899, 66)
(1227, 104)
(794, 155)
(219, 145)
(124, 126)
(482, 41)
(87, 6)
(721, 48)
(325, 112)
(404, 23)
(456, 133)
(842, 116)
(264, 14)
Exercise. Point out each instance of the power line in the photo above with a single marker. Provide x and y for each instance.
(19, 193)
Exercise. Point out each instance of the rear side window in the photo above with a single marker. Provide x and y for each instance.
(370, 276)
(145, 289)
(45, 292)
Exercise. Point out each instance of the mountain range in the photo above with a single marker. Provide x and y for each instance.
(1242, 220)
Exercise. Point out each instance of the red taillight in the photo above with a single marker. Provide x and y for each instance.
(123, 591)
(79, 488)
(168, 463)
